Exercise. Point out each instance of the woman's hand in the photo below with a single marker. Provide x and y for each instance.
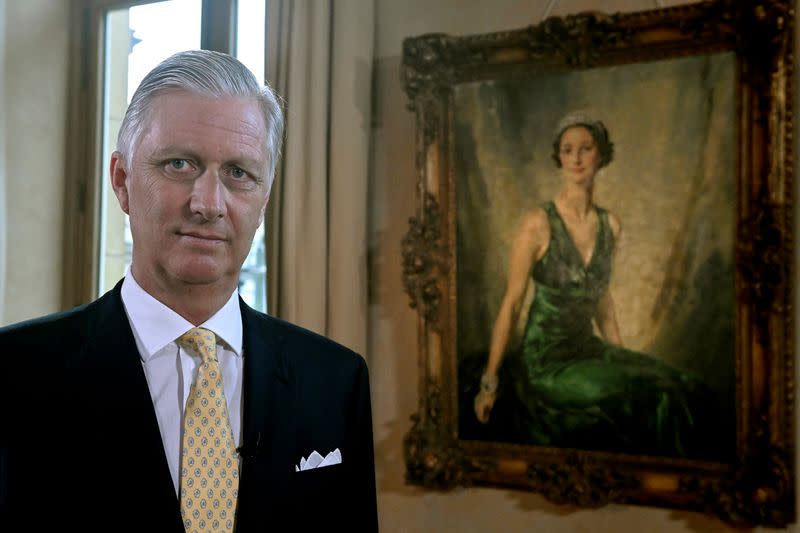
(487, 394)
(484, 401)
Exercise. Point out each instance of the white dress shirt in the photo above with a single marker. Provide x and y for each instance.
(170, 369)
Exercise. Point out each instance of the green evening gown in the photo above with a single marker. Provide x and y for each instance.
(577, 391)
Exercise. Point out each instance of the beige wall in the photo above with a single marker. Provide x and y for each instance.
(392, 328)
(34, 110)
(3, 218)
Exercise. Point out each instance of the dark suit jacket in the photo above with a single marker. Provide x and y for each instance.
(80, 447)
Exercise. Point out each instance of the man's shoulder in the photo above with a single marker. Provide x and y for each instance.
(45, 326)
(42, 346)
(64, 327)
(304, 345)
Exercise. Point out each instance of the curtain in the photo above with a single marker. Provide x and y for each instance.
(320, 60)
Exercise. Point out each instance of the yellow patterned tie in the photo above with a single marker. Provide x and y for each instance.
(209, 462)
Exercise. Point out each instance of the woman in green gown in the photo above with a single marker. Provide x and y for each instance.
(574, 389)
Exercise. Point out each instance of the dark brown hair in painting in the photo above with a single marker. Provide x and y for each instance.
(595, 127)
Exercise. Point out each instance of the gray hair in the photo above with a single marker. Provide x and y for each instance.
(205, 73)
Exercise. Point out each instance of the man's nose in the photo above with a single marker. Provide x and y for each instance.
(208, 196)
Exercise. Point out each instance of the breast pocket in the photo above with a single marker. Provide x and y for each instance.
(316, 479)
(320, 493)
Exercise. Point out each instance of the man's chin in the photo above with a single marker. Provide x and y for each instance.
(201, 274)
(200, 280)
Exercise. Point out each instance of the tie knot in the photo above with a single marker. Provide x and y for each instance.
(202, 341)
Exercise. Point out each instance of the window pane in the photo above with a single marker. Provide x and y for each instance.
(251, 25)
(136, 40)
(159, 30)
(250, 45)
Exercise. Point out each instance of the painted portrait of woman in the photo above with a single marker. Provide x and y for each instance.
(556, 365)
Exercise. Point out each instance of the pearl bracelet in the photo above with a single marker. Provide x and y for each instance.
(489, 384)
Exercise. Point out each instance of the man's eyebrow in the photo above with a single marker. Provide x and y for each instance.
(173, 152)
(170, 152)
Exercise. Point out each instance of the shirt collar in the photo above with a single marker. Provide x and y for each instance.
(155, 325)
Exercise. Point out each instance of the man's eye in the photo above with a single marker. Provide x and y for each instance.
(238, 173)
(178, 164)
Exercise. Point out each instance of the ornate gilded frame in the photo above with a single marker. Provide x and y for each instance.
(756, 488)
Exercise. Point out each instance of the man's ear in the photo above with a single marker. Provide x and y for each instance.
(263, 209)
(119, 180)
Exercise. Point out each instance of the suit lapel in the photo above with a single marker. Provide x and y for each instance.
(268, 435)
(119, 404)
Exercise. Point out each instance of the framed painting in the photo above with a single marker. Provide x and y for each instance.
(601, 259)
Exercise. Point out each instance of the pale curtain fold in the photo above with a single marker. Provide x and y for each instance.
(319, 59)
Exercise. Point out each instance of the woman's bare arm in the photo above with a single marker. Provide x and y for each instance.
(528, 246)
(606, 318)
(606, 315)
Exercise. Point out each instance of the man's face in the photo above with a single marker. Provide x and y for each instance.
(195, 189)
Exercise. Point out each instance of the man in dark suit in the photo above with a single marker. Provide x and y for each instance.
(168, 404)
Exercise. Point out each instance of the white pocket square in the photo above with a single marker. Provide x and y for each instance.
(315, 460)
